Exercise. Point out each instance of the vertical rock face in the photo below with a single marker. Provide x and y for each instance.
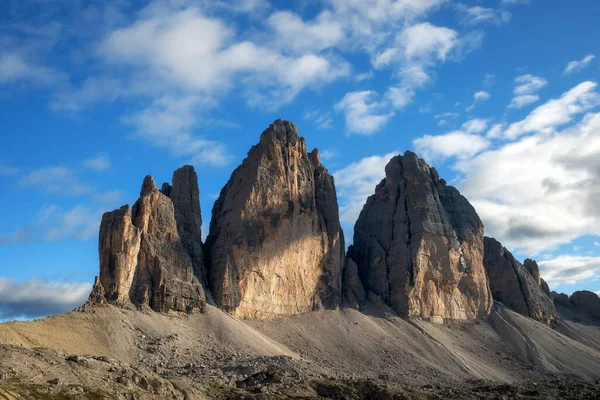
(275, 243)
(144, 260)
(586, 302)
(517, 286)
(418, 245)
(185, 195)
(353, 289)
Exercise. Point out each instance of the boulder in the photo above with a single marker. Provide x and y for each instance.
(275, 245)
(418, 245)
(516, 286)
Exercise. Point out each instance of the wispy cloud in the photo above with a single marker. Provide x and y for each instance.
(478, 97)
(575, 66)
(99, 163)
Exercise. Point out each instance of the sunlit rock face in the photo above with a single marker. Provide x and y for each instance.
(517, 286)
(418, 245)
(275, 245)
(150, 258)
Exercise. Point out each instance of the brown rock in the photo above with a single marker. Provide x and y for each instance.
(143, 260)
(418, 245)
(516, 286)
(275, 242)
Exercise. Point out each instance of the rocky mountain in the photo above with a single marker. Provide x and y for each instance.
(275, 245)
(151, 254)
(583, 302)
(418, 245)
(517, 285)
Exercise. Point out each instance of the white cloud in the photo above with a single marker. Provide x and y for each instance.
(570, 269)
(363, 114)
(475, 125)
(523, 101)
(596, 244)
(444, 118)
(300, 37)
(477, 15)
(328, 154)
(547, 117)
(168, 123)
(453, 144)
(460, 144)
(575, 66)
(528, 84)
(478, 97)
(540, 191)
(163, 46)
(356, 182)
(399, 97)
(99, 163)
(36, 298)
(512, 2)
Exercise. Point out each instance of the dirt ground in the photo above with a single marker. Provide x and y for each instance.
(105, 352)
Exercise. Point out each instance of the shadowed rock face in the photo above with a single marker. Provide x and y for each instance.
(147, 257)
(517, 286)
(584, 303)
(275, 243)
(418, 245)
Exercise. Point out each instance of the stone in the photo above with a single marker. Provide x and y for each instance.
(275, 245)
(418, 245)
(144, 262)
(516, 286)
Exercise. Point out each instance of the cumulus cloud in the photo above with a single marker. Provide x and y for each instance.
(36, 298)
(356, 182)
(540, 191)
(575, 66)
(570, 269)
(163, 45)
(364, 114)
(525, 88)
(462, 143)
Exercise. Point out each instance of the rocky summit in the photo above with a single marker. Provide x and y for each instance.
(418, 245)
(275, 245)
(148, 257)
(516, 285)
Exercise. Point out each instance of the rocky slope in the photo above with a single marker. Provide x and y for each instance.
(418, 245)
(516, 285)
(275, 242)
(149, 254)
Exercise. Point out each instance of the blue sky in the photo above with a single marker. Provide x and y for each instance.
(500, 96)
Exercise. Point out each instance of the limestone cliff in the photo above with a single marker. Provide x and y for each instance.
(148, 256)
(517, 286)
(275, 245)
(418, 245)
